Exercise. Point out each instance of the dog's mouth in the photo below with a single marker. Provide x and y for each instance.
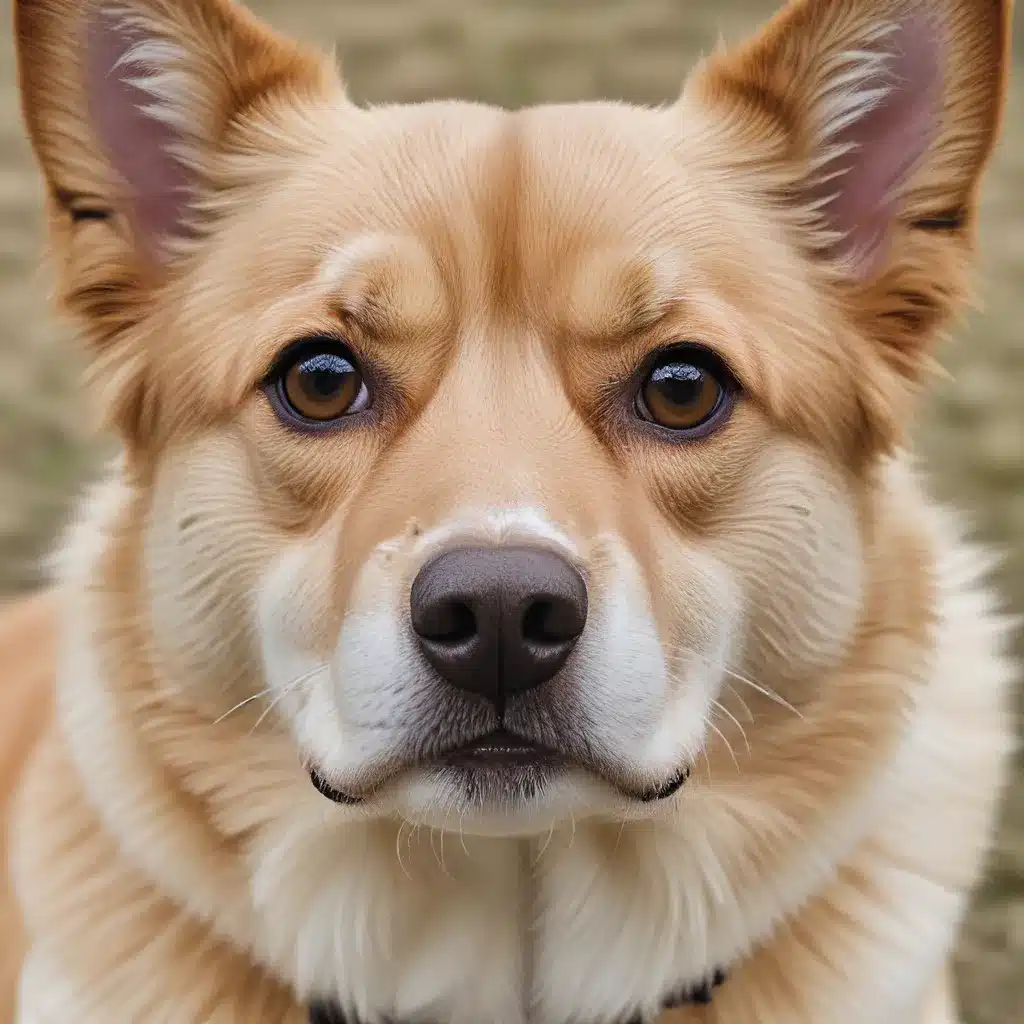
(502, 765)
(500, 750)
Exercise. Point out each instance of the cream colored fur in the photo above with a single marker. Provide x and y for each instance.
(888, 888)
(776, 605)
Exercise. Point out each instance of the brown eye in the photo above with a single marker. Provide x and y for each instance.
(321, 383)
(682, 393)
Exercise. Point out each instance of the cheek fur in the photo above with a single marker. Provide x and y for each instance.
(700, 614)
(206, 545)
(649, 666)
(793, 543)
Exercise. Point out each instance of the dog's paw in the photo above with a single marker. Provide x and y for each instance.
(699, 994)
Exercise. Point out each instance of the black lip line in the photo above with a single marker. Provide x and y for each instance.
(651, 796)
(326, 789)
(669, 789)
(434, 761)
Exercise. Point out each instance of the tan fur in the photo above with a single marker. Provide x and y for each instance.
(26, 683)
(778, 603)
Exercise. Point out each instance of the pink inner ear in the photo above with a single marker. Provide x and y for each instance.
(889, 140)
(138, 144)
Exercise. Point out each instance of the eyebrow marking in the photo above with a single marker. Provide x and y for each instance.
(617, 292)
(352, 257)
(388, 284)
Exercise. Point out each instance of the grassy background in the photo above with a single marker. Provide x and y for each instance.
(522, 51)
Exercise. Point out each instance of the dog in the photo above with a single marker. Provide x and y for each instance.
(513, 599)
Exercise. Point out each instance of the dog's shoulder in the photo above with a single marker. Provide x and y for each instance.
(27, 665)
(27, 668)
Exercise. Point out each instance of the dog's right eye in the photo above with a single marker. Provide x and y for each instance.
(315, 383)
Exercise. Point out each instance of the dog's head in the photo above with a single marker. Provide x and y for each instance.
(512, 457)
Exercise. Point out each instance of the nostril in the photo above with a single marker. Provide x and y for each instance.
(448, 622)
(551, 621)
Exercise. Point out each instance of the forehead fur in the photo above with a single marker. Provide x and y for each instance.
(600, 230)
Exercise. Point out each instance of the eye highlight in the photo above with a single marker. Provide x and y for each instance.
(687, 391)
(315, 383)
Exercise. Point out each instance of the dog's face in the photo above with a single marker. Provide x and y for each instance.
(521, 509)
(512, 457)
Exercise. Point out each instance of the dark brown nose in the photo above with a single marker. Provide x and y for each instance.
(498, 621)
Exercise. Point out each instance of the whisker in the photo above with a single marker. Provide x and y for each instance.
(725, 711)
(241, 704)
(398, 848)
(286, 691)
(444, 829)
(438, 860)
(547, 842)
(414, 829)
(618, 835)
(707, 761)
(287, 688)
(770, 694)
(758, 687)
(742, 703)
(728, 746)
(266, 711)
(304, 676)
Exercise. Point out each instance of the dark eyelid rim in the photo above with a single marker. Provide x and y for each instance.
(294, 350)
(701, 356)
(272, 383)
(692, 352)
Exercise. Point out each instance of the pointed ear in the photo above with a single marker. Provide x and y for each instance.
(130, 103)
(870, 122)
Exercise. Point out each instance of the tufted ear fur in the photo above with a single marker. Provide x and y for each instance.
(131, 105)
(868, 124)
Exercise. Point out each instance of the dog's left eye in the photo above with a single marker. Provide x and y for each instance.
(317, 382)
(685, 390)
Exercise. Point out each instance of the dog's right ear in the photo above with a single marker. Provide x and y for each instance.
(134, 108)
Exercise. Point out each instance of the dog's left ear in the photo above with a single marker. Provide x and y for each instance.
(868, 123)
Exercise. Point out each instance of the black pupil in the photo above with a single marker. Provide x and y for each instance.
(324, 375)
(680, 384)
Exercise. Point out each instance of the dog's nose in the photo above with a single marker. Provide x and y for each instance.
(498, 621)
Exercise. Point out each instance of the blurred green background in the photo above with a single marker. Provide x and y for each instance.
(515, 52)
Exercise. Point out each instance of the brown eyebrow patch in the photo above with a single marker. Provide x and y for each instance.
(616, 293)
(388, 285)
